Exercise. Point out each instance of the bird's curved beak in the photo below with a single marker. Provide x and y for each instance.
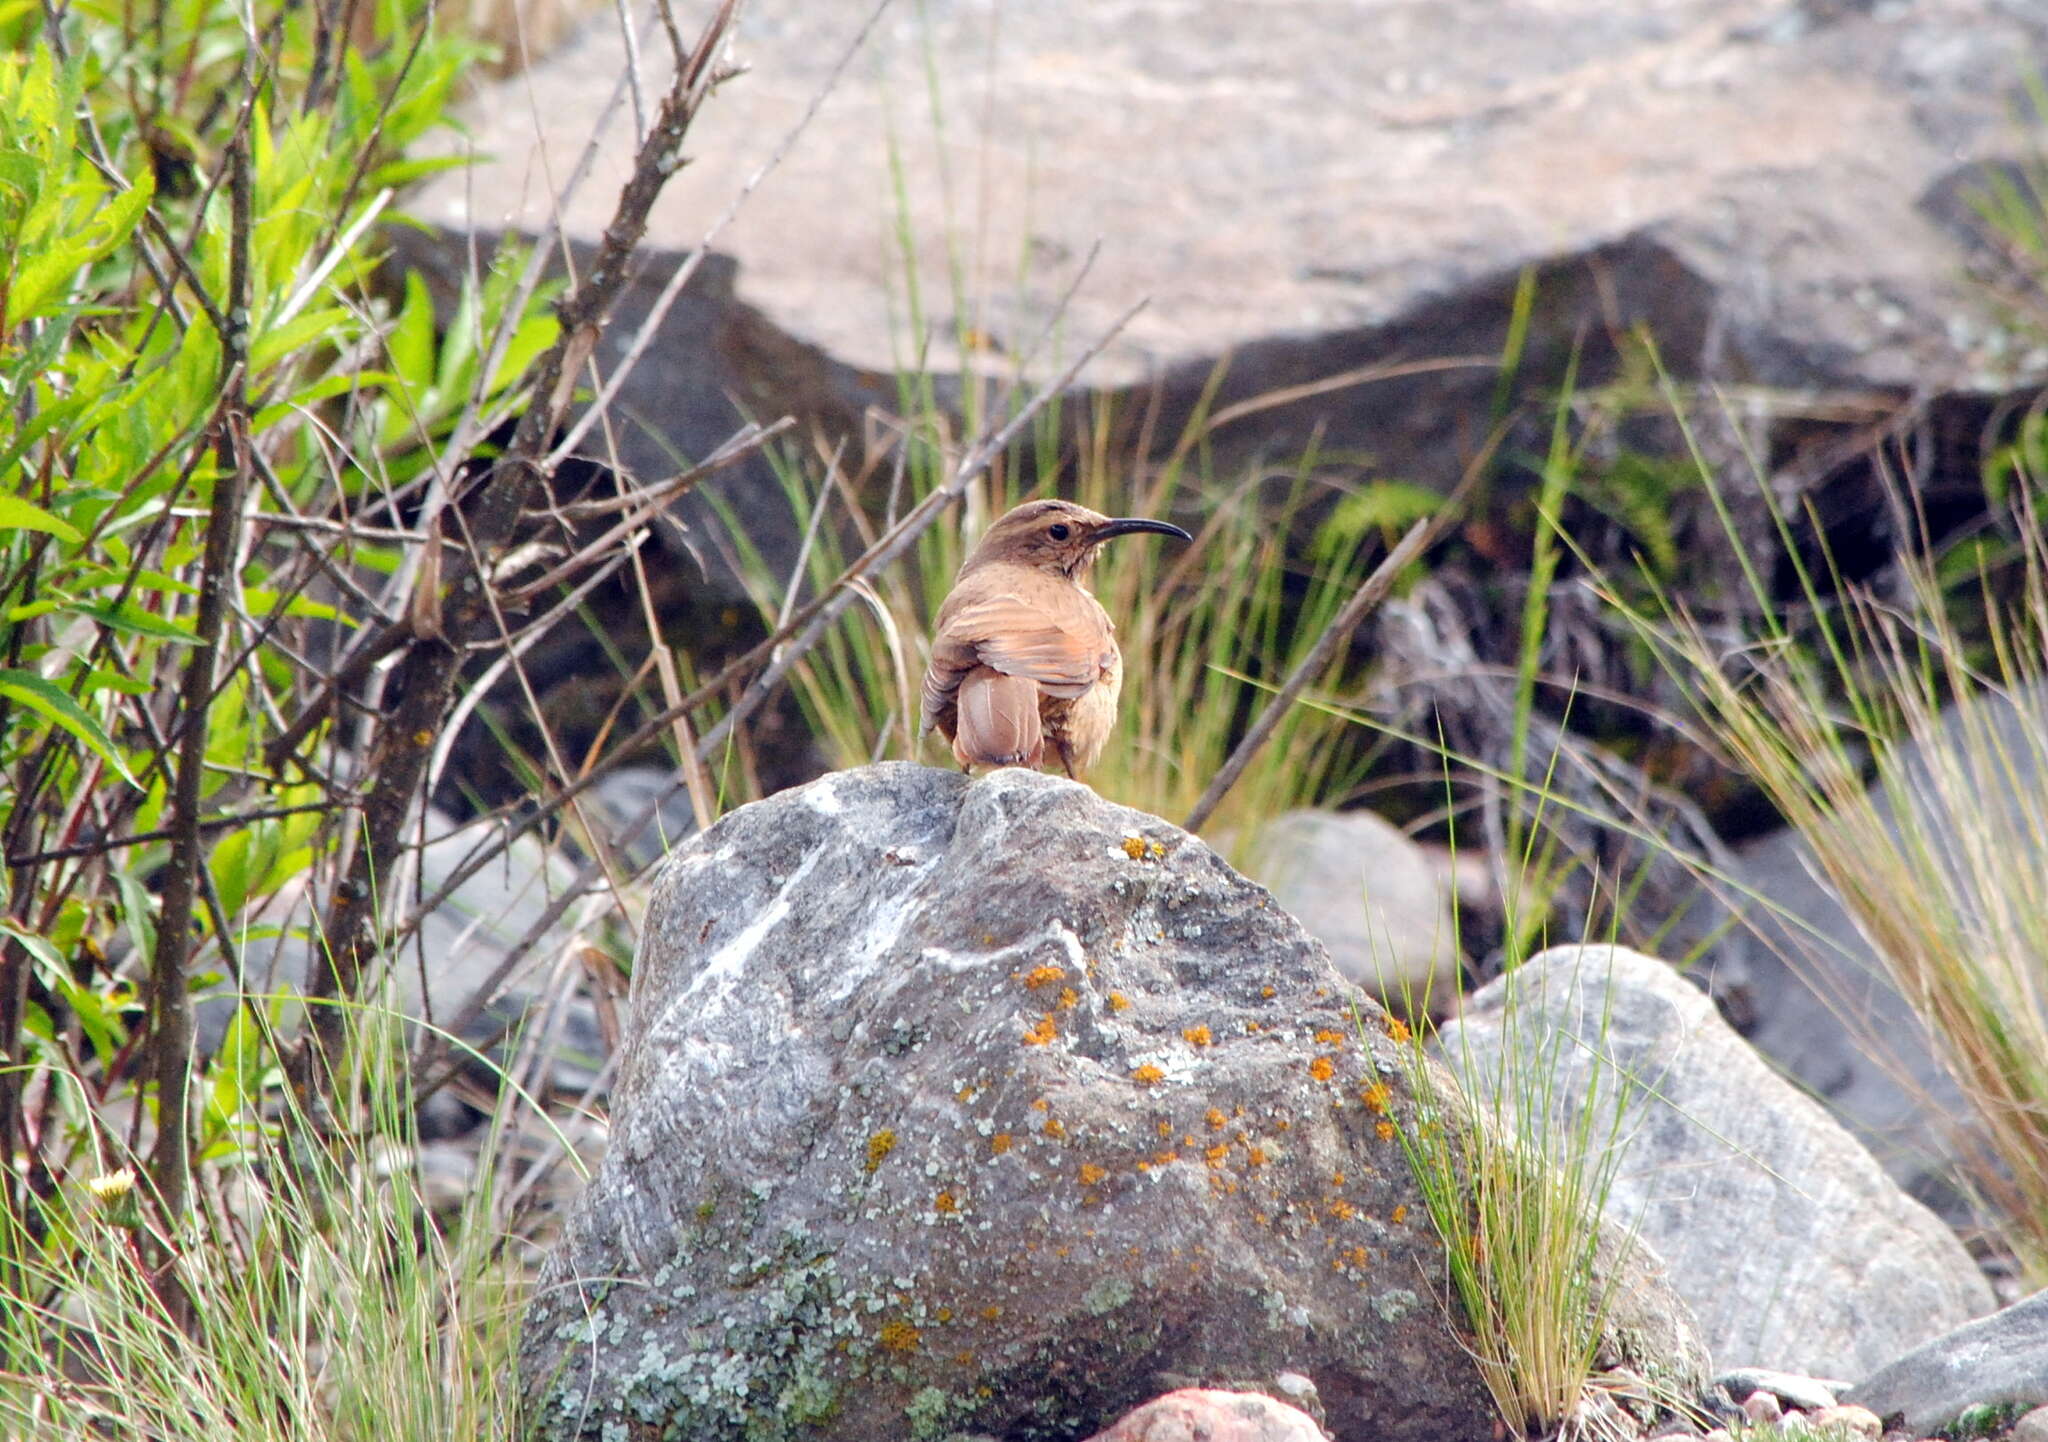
(1132, 525)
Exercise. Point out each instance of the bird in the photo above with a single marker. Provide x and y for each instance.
(1022, 654)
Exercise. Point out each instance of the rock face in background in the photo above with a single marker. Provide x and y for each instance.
(1780, 193)
(1358, 885)
(1319, 168)
(1791, 1245)
(990, 1107)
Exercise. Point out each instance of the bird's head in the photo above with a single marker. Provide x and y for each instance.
(1056, 536)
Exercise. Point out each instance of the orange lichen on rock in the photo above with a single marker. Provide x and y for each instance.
(1267, 992)
(1118, 1001)
(999, 1143)
(1342, 1210)
(1397, 1028)
(1040, 976)
(946, 1204)
(1329, 1036)
(1375, 1097)
(898, 1336)
(1386, 1131)
(1147, 1074)
(1255, 1156)
(880, 1145)
(1054, 1128)
(1045, 1030)
(1091, 1174)
(1399, 1214)
(1217, 1121)
(989, 1314)
(1069, 997)
(1322, 1068)
(1218, 1154)
(1197, 1036)
(1134, 847)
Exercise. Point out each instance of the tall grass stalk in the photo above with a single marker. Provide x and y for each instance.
(1941, 860)
(1516, 1184)
(327, 1300)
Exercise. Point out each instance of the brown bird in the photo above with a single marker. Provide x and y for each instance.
(1021, 653)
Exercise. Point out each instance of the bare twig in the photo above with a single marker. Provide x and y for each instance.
(1369, 594)
(447, 616)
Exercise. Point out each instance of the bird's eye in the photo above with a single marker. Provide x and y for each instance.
(1059, 532)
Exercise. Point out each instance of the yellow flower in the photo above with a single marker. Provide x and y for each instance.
(113, 1186)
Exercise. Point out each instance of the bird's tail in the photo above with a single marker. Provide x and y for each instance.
(998, 720)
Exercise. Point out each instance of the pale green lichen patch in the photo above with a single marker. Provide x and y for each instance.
(1106, 1295)
(1391, 1306)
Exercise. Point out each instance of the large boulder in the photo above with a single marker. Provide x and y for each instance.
(1779, 189)
(1791, 1245)
(990, 1107)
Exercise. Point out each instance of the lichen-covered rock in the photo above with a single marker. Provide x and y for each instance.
(976, 1107)
(1368, 894)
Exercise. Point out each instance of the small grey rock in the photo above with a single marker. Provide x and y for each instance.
(1806, 1393)
(2031, 1428)
(1762, 1407)
(1999, 1360)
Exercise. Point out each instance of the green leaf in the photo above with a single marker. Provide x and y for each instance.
(411, 341)
(41, 278)
(35, 945)
(275, 345)
(136, 621)
(138, 911)
(56, 704)
(19, 515)
(262, 602)
(404, 172)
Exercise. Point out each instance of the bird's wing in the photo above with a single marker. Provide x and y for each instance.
(1057, 636)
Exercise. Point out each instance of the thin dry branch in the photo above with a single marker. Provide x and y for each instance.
(1369, 594)
(448, 616)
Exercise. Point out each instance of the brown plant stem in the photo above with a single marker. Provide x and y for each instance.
(170, 1000)
(1369, 594)
(452, 610)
